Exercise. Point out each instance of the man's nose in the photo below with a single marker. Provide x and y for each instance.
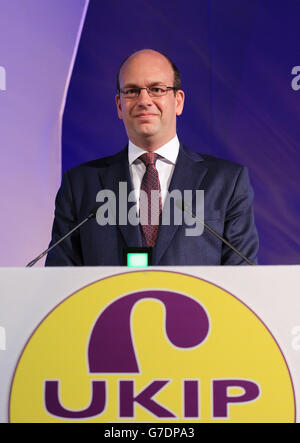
(144, 98)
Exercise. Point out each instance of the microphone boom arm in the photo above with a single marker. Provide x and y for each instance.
(90, 216)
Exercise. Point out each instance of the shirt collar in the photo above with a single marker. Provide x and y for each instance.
(169, 151)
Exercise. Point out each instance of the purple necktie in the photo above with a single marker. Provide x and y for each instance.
(150, 202)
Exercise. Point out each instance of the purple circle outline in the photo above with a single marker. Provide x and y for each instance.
(152, 271)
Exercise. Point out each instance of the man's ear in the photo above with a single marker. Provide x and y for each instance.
(179, 101)
(119, 107)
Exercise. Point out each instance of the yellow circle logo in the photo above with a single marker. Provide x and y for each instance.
(182, 350)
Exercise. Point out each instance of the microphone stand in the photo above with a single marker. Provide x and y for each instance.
(90, 216)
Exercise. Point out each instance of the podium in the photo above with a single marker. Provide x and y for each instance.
(152, 345)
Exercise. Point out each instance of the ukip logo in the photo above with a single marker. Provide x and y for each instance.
(162, 354)
(111, 352)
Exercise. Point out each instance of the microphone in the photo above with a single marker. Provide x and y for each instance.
(91, 215)
(181, 205)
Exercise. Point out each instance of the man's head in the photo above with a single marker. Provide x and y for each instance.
(150, 121)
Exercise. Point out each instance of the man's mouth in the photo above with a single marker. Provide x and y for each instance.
(145, 116)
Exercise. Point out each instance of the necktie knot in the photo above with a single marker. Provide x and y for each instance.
(149, 158)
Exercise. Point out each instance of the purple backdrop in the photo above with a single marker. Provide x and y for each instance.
(236, 59)
(37, 43)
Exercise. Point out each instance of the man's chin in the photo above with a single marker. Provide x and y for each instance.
(147, 131)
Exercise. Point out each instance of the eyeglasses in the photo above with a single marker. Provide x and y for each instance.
(153, 91)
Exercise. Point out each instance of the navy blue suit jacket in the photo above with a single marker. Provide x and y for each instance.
(228, 209)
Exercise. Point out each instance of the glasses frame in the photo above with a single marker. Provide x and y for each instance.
(168, 88)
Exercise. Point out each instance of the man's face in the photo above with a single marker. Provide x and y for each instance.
(150, 122)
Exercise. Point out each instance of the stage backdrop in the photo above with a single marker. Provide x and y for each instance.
(239, 61)
(38, 42)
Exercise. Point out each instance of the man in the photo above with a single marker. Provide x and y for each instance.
(149, 99)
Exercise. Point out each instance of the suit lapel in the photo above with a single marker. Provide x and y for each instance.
(115, 171)
(188, 175)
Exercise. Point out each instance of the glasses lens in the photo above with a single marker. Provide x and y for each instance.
(130, 92)
(157, 91)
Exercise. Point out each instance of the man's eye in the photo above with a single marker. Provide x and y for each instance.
(157, 89)
(131, 91)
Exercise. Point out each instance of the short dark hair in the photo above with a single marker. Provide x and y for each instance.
(177, 76)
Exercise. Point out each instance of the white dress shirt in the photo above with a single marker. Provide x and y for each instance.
(165, 165)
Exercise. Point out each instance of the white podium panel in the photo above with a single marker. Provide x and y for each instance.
(188, 345)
